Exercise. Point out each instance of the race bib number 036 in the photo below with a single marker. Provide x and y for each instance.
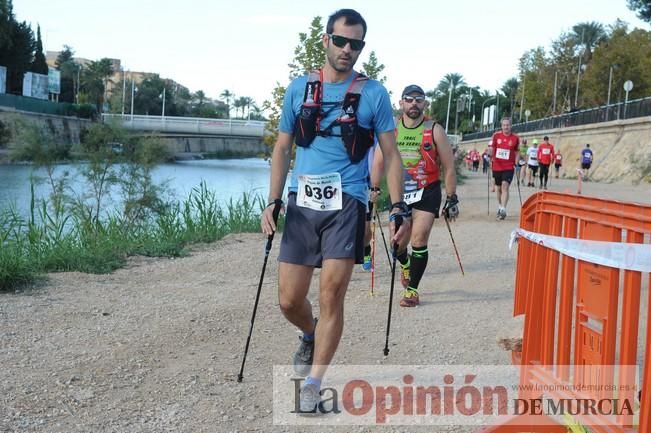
(320, 191)
(502, 153)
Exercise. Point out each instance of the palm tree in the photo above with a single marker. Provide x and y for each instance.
(256, 111)
(249, 102)
(510, 89)
(238, 103)
(200, 96)
(589, 35)
(450, 83)
(227, 94)
(94, 79)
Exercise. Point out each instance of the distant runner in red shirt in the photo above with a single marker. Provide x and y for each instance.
(545, 158)
(505, 149)
(558, 162)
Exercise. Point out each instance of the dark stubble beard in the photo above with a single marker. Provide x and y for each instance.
(414, 113)
(332, 60)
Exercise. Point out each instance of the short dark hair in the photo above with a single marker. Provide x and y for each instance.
(352, 19)
(545, 138)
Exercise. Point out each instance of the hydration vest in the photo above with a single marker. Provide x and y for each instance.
(425, 171)
(357, 139)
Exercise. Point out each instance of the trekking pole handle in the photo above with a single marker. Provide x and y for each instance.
(397, 221)
(278, 204)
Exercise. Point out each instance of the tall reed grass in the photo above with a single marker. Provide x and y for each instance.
(56, 237)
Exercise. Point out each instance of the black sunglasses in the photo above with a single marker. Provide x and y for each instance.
(341, 41)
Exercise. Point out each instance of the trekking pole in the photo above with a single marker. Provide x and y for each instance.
(456, 251)
(373, 245)
(383, 238)
(398, 222)
(277, 205)
(519, 193)
(488, 192)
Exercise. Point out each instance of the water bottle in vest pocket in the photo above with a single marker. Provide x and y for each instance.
(306, 127)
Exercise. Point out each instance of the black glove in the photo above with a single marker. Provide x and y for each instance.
(450, 209)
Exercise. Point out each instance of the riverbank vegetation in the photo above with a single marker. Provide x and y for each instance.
(87, 231)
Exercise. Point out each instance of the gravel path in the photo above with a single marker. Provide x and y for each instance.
(156, 346)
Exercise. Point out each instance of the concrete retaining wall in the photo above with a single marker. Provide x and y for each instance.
(226, 146)
(622, 148)
(63, 129)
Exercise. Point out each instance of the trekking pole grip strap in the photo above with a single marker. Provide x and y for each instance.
(278, 204)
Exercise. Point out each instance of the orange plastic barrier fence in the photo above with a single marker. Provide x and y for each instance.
(582, 320)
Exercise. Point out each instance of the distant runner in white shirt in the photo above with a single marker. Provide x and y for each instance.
(532, 162)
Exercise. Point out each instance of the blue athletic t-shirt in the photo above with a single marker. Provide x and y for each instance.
(328, 154)
(586, 156)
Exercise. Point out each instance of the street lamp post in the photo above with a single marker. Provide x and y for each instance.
(447, 119)
(578, 72)
(124, 87)
(162, 113)
(497, 108)
(555, 87)
(133, 92)
(578, 78)
(628, 86)
(524, 82)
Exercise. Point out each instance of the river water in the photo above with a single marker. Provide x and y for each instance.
(227, 177)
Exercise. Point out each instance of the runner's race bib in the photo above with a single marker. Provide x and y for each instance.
(413, 196)
(502, 153)
(319, 191)
(546, 151)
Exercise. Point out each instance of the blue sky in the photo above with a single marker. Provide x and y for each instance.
(245, 46)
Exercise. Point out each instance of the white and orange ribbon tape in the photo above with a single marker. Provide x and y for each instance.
(620, 255)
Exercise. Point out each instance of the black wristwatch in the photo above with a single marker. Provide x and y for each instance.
(453, 197)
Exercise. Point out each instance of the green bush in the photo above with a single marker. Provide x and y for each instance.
(5, 134)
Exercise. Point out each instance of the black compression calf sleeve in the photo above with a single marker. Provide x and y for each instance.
(403, 258)
(419, 256)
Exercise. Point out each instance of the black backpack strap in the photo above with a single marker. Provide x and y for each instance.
(351, 100)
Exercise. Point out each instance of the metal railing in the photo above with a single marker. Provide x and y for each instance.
(632, 109)
(189, 125)
(33, 105)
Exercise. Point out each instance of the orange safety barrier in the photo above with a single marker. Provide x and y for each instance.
(572, 332)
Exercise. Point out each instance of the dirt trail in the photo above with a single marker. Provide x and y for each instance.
(156, 346)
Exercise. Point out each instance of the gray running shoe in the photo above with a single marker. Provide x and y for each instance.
(309, 400)
(503, 214)
(303, 357)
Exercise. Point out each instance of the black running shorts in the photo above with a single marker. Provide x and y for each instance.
(534, 169)
(503, 176)
(310, 236)
(431, 200)
(586, 165)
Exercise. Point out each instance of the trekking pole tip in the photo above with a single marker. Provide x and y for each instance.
(386, 351)
(239, 378)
